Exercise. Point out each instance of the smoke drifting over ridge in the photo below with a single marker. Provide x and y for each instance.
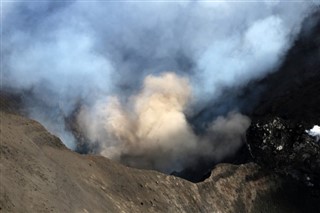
(99, 54)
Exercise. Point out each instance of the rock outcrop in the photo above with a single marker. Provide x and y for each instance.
(285, 147)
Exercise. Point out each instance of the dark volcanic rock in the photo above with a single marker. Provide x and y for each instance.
(293, 91)
(288, 106)
(285, 147)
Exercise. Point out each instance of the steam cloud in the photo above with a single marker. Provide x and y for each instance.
(98, 54)
(314, 132)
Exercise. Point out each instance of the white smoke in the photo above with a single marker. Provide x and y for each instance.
(314, 132)
(152, 131)
(75, 53)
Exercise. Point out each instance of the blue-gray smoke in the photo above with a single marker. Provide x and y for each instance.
(79, 52)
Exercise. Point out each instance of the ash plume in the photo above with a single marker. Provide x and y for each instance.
(153, 132)
(110, 59)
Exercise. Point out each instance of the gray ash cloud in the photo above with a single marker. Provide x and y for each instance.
(71, 54)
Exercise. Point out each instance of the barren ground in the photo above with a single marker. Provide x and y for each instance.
(39, 174)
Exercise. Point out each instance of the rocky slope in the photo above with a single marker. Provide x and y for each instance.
(293, 91)
(39, 174)
(290, 105)
(286, 147)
